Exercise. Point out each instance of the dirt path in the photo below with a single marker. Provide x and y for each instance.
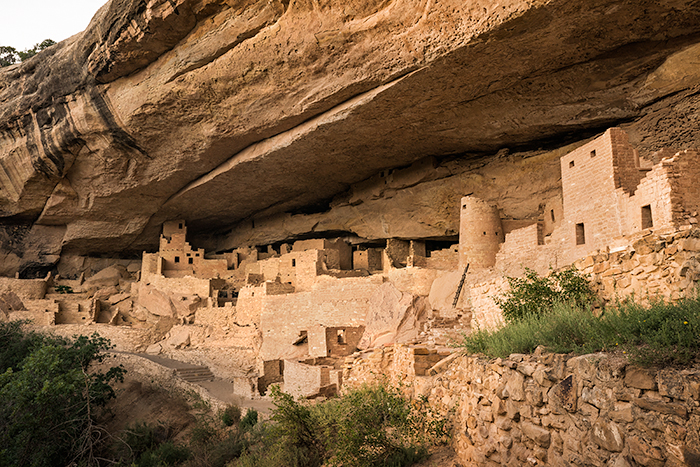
(218, 388)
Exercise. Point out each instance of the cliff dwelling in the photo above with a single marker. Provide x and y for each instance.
(313, 195)
(294, 313)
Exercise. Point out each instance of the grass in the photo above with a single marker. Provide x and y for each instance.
(658, 334)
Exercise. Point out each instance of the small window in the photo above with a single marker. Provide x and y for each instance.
(197, 255)
(593, 153)
(484, 233)
(647, 221)
(551, 215)
(190, 260)
(571, 164)
(177, 259)
(464, 207)
(341, 337)
(294, 263)
(179, 226)
(580, 234)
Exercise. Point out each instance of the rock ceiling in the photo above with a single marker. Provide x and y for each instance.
(215, 111)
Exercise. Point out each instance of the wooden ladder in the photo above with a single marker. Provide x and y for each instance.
(459, 287)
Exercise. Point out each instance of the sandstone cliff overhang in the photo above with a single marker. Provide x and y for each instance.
(214, 112)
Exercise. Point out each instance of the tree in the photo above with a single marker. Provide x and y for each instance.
(48, 400)
(10, 55)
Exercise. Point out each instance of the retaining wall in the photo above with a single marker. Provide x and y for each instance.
(551, 410)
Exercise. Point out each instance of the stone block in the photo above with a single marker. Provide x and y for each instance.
(644, 453)
(515, 386)
(670, 384)
(608, 435)
(639, 378)
(539, 435)
(669, 408)
(564, 394)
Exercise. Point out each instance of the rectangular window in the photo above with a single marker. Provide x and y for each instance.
(593, 153)
(647, 221)
(341, 336)
(190, 260)
(294, 263)
(177, 259)
(551, 214)
(571, 164)
(580, 234)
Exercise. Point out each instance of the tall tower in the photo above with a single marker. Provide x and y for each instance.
(480, 233)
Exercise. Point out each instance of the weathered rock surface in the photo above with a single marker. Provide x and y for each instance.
(393, 316)
(218, 112)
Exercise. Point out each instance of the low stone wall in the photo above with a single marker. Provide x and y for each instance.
(652, 265)
(552, 409)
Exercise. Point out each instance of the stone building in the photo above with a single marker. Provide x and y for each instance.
(610, 196)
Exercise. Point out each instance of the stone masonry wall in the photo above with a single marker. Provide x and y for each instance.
(551, 410)
(653, 265)
(333, 303)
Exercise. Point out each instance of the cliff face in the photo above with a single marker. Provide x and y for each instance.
(222, 111)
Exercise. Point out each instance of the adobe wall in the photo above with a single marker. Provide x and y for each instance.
(549, 409)
(480, 233)
(150, 264)
(589, 182)
(40, 312)
(341, 341)
(30, 289)
(251, 300)
(341, 251)
(445, 260)
(369, 259)
(180, 285)
(686, 190)
(664, 265)
(301, 380)
(298, 268)
(76, 311)
(332, 303)
(653, 265)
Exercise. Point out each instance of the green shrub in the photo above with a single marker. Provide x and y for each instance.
(165, 454)
(371, 426)
(231, 415)
(249, 420)
(49, 398)
(533, 295)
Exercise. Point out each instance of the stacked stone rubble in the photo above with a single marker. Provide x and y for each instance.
(550, 409)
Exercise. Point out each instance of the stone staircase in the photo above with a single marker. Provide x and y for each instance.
(195, 374)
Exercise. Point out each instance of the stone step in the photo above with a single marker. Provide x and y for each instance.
(195, 374)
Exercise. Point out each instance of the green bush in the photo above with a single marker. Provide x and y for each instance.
(231, 415)
(249, 420)
(49, 397)
(371, 426)
(533, 295)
